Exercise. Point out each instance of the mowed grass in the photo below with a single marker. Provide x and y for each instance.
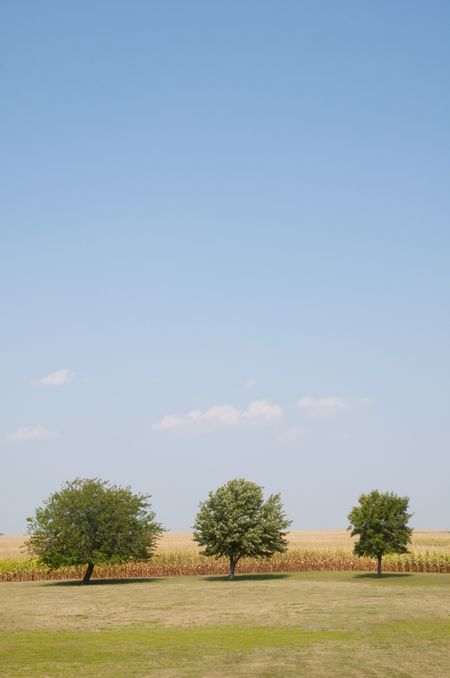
(314, 624)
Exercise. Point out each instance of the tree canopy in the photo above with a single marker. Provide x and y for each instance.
(381, 522)
(88, 522)
(236, 522)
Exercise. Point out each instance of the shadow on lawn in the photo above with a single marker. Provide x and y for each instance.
(385, 575)
(249, 577)
(103, 582)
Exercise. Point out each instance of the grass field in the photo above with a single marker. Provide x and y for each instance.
(314, 624)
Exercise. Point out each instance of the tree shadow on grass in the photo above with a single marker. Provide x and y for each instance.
(249, 577)
(104, 582)
(385, 575)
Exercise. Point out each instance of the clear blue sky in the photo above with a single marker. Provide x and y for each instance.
(225, 252)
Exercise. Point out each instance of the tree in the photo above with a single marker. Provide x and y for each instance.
(380, 520)
(235, 522)
(88, 522)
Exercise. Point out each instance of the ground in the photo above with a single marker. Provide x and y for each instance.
(302, 624)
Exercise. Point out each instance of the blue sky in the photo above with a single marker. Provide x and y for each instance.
(225, 252)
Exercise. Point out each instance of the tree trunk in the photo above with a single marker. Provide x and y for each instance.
(232, 567)
(379, 566)
(88, 573)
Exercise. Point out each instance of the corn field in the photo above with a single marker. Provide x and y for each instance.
(176, 563)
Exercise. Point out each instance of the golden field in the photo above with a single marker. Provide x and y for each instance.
(321, 550)
(423, 541)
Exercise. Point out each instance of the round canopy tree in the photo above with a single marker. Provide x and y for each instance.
(235, 522)
(381, 522)
(89, 522)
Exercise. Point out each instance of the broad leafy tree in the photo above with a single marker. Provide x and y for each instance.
(89, 522)
(236, 522)
(381, 522)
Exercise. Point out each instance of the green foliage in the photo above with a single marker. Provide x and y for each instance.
(236, 522)
(92, 522)
(381, 522)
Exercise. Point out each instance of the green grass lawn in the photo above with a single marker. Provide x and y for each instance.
(305, 624)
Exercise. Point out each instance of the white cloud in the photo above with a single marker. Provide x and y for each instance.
(58, 378)
(224, 415)
(261, 409)
(291, 433)
(328, 406)
(26, 433)
(249, 384)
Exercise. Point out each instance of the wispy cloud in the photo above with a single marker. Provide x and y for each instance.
(223, 415)
(58, 378)
(27, 433)
(291, 434)
(249, 384)
(329, 406)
